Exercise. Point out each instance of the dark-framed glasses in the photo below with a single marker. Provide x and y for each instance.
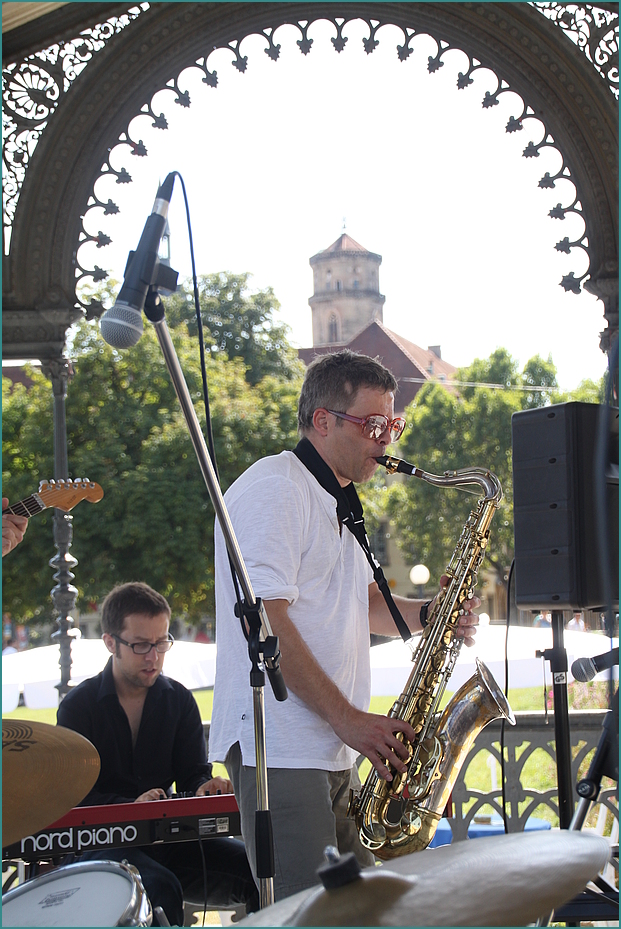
(143, 648)
(375, 425)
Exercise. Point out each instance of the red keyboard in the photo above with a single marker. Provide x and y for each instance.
(116, 825)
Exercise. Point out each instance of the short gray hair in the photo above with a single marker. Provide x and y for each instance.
(332, 381)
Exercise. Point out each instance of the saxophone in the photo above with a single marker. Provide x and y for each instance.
(401, 816)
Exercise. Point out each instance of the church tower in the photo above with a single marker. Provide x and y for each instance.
(346, 295)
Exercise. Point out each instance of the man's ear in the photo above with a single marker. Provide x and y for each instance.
(109, 642)
(321, 421)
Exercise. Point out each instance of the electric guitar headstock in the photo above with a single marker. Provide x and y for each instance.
(63, 495)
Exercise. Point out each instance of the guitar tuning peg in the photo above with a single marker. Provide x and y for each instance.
(77, 480)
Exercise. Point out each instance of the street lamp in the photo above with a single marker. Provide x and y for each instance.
(419, 575)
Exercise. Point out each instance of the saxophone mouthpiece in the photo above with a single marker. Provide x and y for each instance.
(393, 465)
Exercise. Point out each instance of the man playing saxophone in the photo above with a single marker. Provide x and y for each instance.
(322, 603)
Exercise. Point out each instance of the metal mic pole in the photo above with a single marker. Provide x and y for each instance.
(154, 310)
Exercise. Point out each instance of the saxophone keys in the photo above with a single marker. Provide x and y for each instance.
(353, 804)
(411, 822)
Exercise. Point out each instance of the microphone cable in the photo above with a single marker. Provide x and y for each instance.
(199, 839)
(201, 340)
(208, 423)
(204, 863)
(503, 777)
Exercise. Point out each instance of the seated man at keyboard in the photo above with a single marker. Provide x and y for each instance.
(149, 735)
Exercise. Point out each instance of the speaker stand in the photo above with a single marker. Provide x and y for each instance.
(557, 656)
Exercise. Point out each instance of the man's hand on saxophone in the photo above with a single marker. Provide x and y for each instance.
(382, 623)
(468, 621)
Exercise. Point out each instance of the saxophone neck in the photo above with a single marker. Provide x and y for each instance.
(462, 479)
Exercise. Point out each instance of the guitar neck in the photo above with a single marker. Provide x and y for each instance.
(29, 506)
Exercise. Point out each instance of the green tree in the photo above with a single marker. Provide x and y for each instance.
(502, 369)
(126, 432)
(447, 433)
(450, 430)
(588, 391)
(499, 368)
(539, 373)
(240, 323)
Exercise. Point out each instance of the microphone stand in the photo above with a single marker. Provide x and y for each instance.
(262, 644)
(604, 902)
(605, 763)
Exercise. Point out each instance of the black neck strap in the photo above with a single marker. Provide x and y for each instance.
(349, 511)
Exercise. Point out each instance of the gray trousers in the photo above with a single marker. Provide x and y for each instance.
(308, 811)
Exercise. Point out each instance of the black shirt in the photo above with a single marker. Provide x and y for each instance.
(170, 746)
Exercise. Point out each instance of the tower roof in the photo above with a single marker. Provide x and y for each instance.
(344, 244)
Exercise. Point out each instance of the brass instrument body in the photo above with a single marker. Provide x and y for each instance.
(401, 816)
(472, 707)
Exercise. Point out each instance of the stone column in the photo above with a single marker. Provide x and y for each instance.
(64, 593)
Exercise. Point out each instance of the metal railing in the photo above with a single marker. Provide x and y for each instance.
(532, 733)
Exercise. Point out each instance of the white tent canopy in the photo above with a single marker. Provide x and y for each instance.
(391, 663)
(36, 671)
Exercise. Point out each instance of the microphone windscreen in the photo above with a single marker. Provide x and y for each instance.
(583, 670)
(121, 326)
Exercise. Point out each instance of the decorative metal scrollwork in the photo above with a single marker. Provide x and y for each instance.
(531, 737)
(570, 282)
(32, 90)
(34, 87)
(594, 30)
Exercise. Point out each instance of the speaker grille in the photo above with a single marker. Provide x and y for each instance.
(557, 562)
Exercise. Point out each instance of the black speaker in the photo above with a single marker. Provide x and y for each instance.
(557, 555)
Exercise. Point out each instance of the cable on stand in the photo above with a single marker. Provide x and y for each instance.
(262, 645)
(121, 327)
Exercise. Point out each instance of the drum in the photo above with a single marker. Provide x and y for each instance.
(87, 893)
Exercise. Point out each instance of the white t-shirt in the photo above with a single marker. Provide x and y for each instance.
(288, 534)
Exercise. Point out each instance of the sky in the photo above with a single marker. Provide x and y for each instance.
(277, 161)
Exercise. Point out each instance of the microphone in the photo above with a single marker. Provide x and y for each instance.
(585, 669)
(121, 325)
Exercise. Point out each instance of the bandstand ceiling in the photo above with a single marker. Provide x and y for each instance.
(65, 122)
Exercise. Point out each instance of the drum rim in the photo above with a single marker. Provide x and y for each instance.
(134, 909)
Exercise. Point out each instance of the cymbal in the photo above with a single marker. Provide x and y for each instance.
(46, 771)
(507, 880)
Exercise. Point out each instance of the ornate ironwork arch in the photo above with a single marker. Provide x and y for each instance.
(567, 85)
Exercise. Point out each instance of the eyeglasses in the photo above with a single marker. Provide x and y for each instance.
(376, 425)
(143, 648)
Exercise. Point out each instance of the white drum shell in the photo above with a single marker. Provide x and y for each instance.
(84, 894)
